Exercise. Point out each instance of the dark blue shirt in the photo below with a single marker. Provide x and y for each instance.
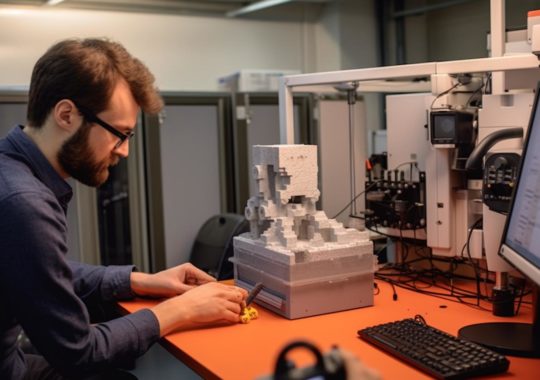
(44, 293)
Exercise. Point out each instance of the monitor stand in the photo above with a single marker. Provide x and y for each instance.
(509, 338)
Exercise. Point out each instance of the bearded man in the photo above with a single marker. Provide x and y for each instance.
(83, 103)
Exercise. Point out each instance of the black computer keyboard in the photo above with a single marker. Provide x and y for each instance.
(433, 351)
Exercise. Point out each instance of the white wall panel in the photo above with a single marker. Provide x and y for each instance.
(184, 53)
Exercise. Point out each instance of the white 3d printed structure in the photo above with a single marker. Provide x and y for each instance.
(309, 264)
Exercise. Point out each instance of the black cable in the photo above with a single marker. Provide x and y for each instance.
(443, 93)
(475, 224)
(355, 198)
(520, 298)
(404, 245)
(371, 185)
(473, 94)
(418, 318)
(376, 288)
(394, 293)
(391, 283)
(414, 279)
(447, 297)
(488, 88)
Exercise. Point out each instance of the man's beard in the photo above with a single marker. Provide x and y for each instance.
(78, 160)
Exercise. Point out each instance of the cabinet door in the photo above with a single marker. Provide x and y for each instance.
(12, 113)
(335, 164)
(189, 156)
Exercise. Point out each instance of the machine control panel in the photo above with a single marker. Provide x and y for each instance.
(396, 202)
(500, 172)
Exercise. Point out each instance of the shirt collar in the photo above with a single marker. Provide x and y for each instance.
(39, 165)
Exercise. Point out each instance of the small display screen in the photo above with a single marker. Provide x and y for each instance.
(444, 127)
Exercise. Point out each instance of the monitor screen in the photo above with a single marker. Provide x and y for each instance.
(521, 238)
(520, 245)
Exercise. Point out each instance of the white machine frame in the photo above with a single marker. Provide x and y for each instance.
(321, 82)
(397, 78)
(498, 64)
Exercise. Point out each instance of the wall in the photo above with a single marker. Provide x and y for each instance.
(188, 53)
(460, 31)
(326, 50)
(358, 39)
(184, 53)
(346, 39)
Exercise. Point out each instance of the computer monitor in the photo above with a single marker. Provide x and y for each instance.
(520, 246)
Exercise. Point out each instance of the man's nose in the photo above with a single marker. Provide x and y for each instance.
(123, 149)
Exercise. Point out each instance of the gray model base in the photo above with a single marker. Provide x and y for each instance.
(313, 288)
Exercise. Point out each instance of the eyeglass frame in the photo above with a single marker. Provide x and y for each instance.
(91, 117)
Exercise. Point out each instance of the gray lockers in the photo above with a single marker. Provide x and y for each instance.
(191, 179)
(193, 162)
(12, 113)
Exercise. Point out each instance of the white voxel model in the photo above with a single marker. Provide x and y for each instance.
(283, 213)
(293, 245)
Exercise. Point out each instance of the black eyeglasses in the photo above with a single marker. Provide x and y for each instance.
(91, 117)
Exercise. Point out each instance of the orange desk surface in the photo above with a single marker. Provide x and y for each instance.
(239, 351)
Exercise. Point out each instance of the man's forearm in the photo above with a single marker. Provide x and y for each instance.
(140, 283)
(171, 315)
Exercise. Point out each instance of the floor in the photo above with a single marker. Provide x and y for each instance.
(158, 363)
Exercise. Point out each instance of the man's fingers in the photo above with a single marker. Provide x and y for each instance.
(243, 292)
(185, 287)
(234, 307)
(231, 316)
(197, 277)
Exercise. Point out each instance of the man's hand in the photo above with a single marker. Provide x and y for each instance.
(170, 282)
(202, 305)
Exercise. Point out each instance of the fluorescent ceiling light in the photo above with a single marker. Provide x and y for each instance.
(53, 2)
(257, 7)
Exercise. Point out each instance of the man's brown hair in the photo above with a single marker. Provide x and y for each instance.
(86, 71)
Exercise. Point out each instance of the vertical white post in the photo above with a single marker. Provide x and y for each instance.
(498, 39)
(286, 113)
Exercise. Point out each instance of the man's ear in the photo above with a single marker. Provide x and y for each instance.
(66, 115)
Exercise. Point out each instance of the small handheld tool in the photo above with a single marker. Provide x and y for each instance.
(249, 312)
(251, 296)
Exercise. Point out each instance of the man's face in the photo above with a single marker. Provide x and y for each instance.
(79, 160)
(91, 150)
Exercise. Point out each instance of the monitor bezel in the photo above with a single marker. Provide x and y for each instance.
(520, 262)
